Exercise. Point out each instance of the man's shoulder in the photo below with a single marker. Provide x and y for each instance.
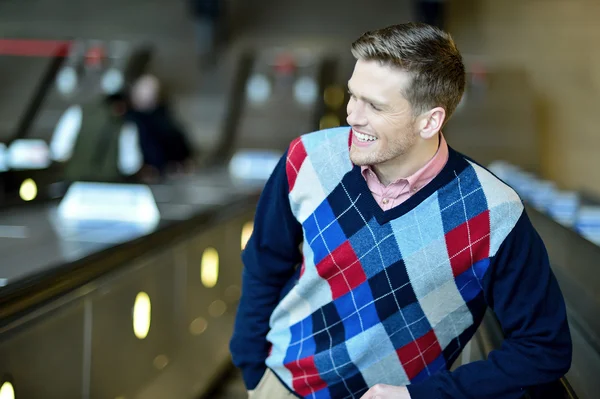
(316, 163)
(502, 205)
(328, 145)
(337, 137)
(495, 189)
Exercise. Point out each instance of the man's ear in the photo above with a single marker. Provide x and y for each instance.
(431, 122)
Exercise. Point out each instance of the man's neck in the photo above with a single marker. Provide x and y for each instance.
(407, 164)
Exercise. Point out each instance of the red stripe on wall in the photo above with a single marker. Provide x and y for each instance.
(34, 48)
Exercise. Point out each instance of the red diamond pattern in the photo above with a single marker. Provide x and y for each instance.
(342, 270)
(412, 355)
(305, 376)
(295, 159)
(476, 232)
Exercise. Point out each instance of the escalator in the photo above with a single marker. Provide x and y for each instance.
(24, 81)
(68, 286)
(148, 313)
(73, 113)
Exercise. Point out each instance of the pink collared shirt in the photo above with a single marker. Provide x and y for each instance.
(402, 189)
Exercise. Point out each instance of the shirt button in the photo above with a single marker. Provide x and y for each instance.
(385, 201)
(415, 188)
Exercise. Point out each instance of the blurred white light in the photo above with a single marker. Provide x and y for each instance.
(112, 81)
(28, 190)
(7, 391)
(588, 223)
(66, 80)
(306, 90)
(253, 164)
(132, 203)
(28, 154)
(142, 315)
(563, 207)
(130, 154)
(258, 89)
(209, 268)
(246, 233)
(65, 134)
(3, 160)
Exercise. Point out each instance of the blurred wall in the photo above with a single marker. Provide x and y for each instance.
(556, 42)
(167, 24)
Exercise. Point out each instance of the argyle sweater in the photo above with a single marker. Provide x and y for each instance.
(339, 295)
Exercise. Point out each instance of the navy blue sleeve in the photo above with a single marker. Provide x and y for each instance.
(270, 258)
(524, 294)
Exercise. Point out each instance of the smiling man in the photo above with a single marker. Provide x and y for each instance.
(377, 249)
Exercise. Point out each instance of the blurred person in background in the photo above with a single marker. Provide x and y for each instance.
(164, 147)
(209, 19)
(432, 12)
(95, 153)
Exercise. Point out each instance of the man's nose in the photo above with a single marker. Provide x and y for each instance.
(356, 115)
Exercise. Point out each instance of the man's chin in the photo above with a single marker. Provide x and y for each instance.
(359, 158)
(359, 161)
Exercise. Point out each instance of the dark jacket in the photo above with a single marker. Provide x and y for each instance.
(161, 140)
(206, 8)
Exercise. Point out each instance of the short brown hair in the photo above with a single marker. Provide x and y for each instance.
(426, 52)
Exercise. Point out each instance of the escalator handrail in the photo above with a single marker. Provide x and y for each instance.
(27, 295)
(225, 144)
(496, 337)
(30, 293)
(41, 91)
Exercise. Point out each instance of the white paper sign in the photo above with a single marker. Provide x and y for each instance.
(28, 154)
(132, 203)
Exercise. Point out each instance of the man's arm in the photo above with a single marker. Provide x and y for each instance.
(524, 294)
(270, 258)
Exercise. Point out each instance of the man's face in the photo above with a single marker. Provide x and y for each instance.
(119, 108)
(383, 126)
(144, 93)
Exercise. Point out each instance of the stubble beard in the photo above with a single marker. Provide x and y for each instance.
(394, 149)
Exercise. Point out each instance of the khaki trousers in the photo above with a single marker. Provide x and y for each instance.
(270, 387)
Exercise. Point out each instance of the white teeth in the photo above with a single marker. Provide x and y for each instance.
(364, 137)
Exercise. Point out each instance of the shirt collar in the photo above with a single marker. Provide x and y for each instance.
(425, 174)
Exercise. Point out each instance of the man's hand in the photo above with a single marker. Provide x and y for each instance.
(382, 391)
